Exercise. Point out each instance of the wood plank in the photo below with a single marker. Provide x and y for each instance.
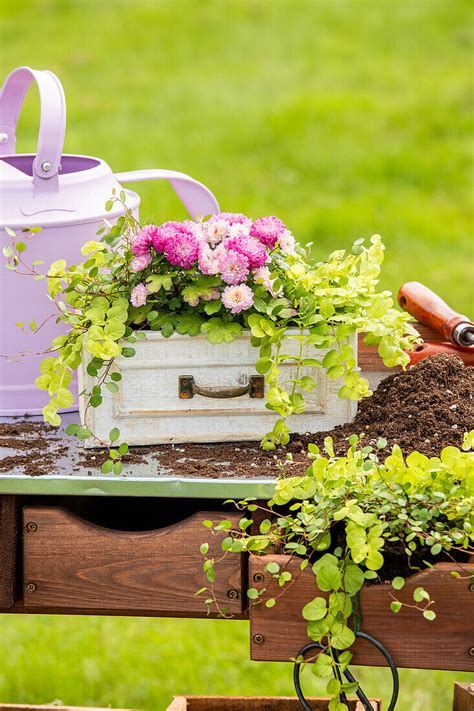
(370, 361)
(71, 563)
(463, 697)
(255, 703)
(412, 640)
(9, 511)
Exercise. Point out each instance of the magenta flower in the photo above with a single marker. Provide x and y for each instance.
(234, 267)
(164, 233)
(250, 248)
(268, 230)
(237, 298)
(182, 249)
(142, 242)
(138, 295)
(141, 262)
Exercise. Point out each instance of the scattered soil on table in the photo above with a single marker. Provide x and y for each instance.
(34, 449)
(425, 408)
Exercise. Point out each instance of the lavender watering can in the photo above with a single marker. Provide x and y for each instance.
(65, 195)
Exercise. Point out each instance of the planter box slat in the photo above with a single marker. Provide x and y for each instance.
(412, 640)
(254, 703)
(71, 563)
(463, 697)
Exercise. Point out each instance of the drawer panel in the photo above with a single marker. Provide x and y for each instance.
(71, 563)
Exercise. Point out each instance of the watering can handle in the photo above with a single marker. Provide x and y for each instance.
(52, 121)
(197, 199)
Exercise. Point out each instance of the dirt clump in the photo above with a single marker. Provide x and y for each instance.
(425, 408)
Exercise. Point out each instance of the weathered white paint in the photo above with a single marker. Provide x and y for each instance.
(148, 410)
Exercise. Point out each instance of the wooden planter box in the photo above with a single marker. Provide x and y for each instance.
(278, 633)
(148, 407)
(254, 703)
(73, 564)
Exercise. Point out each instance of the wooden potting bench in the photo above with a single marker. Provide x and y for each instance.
(129, 545)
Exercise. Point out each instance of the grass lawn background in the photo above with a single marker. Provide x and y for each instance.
(342, 117)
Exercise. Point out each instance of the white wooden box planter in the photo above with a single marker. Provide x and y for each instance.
(148, 408)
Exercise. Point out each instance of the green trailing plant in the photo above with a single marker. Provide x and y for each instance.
(344, 520)
(180, 277)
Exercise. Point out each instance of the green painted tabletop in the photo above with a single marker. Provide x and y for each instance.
(68, 475)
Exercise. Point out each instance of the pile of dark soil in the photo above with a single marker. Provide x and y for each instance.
(425, 408)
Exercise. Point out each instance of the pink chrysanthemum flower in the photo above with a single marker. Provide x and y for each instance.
(182, 249)
(234, 267)
(141, 262)
(143, 241)
(209, 258)
(215, 230)
(287, 242)
(250, 247)
(234, 218)
(237, 298)
(212, 295)
(164, 233)
(268, 230)
(138, 295)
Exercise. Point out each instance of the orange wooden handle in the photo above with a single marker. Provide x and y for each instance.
(428, 349)
(429, 309)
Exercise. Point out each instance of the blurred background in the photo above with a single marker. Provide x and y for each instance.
(342, 117)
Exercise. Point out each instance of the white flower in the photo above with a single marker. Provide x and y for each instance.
(287, 242)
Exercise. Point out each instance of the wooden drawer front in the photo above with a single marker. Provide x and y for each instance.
(278, 633)
(71, 563)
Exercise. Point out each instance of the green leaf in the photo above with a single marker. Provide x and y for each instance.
(107, 466)
(114, 434)
(252, 593)
(429, 615)
(395, 606)
(204, 548)
(270, 602)
(112, 387)
(219, 331)
(315, 610)
(128, 352)
(263, 365)
(353, 579)
(72, 429)
(398, 583)
(212, 307)
(343, 639)
(328, 578)
(272, 568)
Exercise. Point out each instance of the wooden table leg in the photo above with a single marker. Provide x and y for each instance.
(9, 517)
(463, 697)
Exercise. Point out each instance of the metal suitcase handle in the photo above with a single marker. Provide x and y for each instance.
(187, 388)
(52, 122)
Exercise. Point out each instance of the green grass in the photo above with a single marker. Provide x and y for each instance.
(345, 118)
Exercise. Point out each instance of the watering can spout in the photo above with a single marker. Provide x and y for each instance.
(197, 199)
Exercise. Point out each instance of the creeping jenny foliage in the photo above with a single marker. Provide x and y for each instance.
(341, 520)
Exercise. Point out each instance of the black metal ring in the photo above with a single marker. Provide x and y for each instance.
(360, 694)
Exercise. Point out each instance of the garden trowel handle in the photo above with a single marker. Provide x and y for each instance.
(430, 310)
